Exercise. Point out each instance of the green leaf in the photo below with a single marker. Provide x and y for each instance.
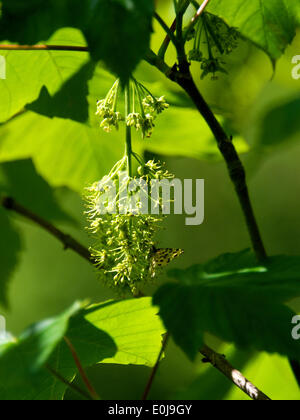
(64, 152)
(277, 279)
(280, 124)
(10, 247)
(268, 24)
(70, 101)
(182, 132)
(235, 299)
(27, 72)
(75, 155)
(21, 361)
(20, 180)
(134, 326)
(117, 31)
(122, 332)
(34, 20)
(294, 10)
(124, 36)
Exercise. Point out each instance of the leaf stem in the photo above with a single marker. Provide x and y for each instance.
(70, 385)
(155, 368)
(81, 371)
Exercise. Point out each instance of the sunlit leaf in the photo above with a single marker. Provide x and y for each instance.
(120, 332)
(269, 24)
(28, 72)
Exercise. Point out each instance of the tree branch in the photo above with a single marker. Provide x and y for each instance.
(235, 167)
(7, 47)
(221, 364)
(69, 243)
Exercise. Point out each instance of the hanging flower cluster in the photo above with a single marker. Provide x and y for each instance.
(144, 109)
(213, 39)
(125, 237)
(119, 206)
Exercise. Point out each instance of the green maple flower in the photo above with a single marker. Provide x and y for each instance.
(144, 109)
(124, 236)
(213, 39)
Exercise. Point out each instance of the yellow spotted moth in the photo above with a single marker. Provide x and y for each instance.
(163, 256)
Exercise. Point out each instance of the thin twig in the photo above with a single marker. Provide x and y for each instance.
(168, 31)
(8, 47)
(165, 45)
(68, 242)
(70, 385)
(81, 371)
(196, 17)
(219, 362)
(155, 368)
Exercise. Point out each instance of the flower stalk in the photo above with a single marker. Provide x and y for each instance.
(128, 142)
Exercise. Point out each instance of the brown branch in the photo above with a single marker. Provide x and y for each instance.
(8, 47)
(219, 362)
(81, 371)
(235, 167)
(68, 242)
(234, 164)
